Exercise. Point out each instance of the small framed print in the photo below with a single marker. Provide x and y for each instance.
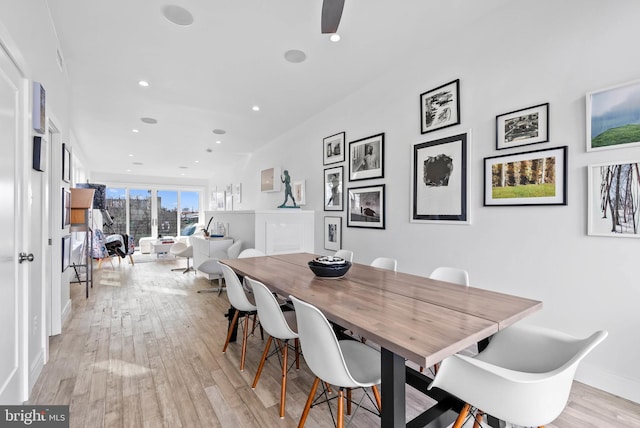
(332, 233)
(523, 127)
(39, 114)
(538, 177)
(333, 179)
(366, 158)
(300, 192)
(333, 148)
(366, 207)
(270, 180)
(614, 193)
(66, 163)
(440, 107)
(66, 252)
(39, 153)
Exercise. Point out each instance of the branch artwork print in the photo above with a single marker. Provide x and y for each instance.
(620, 197)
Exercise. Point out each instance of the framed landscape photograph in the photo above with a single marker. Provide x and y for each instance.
(613, 199)
(366, 207)
(439, 188)
(366, 158)
(333, 148)
(613, 117)
(523, 127)
(537, 177)
(440, 107)
(332, 233)
(333, 180)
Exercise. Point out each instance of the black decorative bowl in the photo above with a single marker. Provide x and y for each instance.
(329, 271)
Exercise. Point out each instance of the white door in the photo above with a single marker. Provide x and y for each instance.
(12, 376)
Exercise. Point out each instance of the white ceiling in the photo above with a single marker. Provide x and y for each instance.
(209, 75)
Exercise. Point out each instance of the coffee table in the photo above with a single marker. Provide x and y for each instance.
(161, 248)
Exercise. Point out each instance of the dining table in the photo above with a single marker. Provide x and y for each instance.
(410, 317)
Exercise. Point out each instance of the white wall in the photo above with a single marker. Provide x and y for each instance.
(525, 54)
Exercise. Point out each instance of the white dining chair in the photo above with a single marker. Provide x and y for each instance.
(212, 267)
(346, 364)
(450, 274)
(251, 252)
(345, 254)
(523, 377)
(279, 325)
(385, 263)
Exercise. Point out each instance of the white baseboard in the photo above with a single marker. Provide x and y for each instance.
(614, 384)
(35, 369)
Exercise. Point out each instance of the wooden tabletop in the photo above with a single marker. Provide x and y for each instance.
(420, 319)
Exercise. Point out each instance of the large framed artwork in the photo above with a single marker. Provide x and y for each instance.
(523, 127)
(332, 233)
(366, 207)
(333, 179)
(440, 107)
(333, 148)
(538, 177)
(613, 117)
(614, 196)
(439, 188)
(366, 158)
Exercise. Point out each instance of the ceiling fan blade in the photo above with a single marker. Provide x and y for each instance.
(331, 14)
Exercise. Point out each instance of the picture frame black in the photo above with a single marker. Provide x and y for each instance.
(440, 181)
(366, 207)
(66, 163)
(39, 153)
(536, 177)
(66, 252)
(334, 188)
(332, 233)
(366, 158)
(523, 127)
(440, 107)
(333, 148)
(66, 207)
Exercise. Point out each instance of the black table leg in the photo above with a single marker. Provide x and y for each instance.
(229, 315)
(393, 390)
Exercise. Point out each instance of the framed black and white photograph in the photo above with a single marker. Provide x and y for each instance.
(366, 207)
(440, 107)
(333, 181)
(523, 127)
(538, 177)
(39, 115)
(66, 207)
(66, 163)
(614, 193)
(66, 252)
(332, 233)
(333, 148)
(39, 153)
(366, 158)
(613, 117)
(439, 187)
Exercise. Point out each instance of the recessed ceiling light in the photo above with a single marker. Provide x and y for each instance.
(197, 161)
(219, 131)
(149, 120)
(295, 56)
(255, 108)
(178, 15)
(334, 37)
(143, 83)
(218, 142)
(135, 131)
(130, 155)
(128, 170)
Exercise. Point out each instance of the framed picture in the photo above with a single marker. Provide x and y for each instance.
(270, 180)
(537, 177)
(366, 158)
(66, 252)
(237, 193)
(366, 207)
(66, 163)
(613, 117)
(228, 203)
(333, 179)
(333, 148)
(39, 153)
(614, 190)
(39, 111)
(220, 200)
(523, 127)
(299, 192)
(440, 107)
(66, 207)
(332, 233)
(439, 188)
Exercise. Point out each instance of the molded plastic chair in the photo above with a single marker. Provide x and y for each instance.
(251, 252)
(523, 377)
(280, 326)
(345, 254)
(212, 267)
(345, 363)
(449, 274)
(242, 306)
(385, 263)
(180, 249)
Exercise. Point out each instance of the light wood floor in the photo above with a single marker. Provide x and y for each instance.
(145, 350)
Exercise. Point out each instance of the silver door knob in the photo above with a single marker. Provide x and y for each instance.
(25, 257)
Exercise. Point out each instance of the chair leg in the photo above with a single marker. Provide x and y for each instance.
(307, 406)
(283, 386)
(349, 401)
(230, 332)
(244, 342)
(376, 395)
(462, 416)
(297, 346)
(477, 419)
(340, 411)
(131, 259)
(262, 361)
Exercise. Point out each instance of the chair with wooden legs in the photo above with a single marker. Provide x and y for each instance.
(279, 325)
(243, 307)
(346, 364)
(344, 254)
(385, 263)
(523, 376)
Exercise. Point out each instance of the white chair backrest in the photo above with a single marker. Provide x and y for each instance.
(178, 248)
(455, 275)
(385, 263)
(320, 346)
(235, 292)
(345, 254)
(251, 252)
(234, 250)
(271, 317)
